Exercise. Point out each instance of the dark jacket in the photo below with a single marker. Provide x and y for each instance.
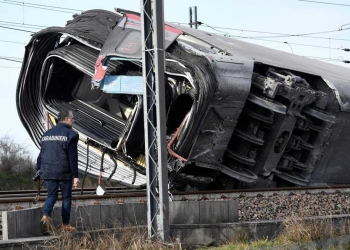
(58, 158)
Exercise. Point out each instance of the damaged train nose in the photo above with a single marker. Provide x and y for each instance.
(238, 115)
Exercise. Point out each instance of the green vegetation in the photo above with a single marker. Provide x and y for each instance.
(133, 238)
(298, 233)
(16, 166)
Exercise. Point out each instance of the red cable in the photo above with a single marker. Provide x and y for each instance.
(172, 141)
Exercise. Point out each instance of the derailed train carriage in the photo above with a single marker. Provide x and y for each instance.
(238, 115)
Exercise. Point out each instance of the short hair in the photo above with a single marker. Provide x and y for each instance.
(63, 114)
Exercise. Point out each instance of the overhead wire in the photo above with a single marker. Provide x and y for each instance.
(4, 27)
(12, 60)
(12, 57)
(298, 44)
(23, 24)
(265, 32)
(34, 4)
(9, 67)
(36, 7)
(279, 34)
(308, 45)
(328, 59)
(55, 8)
(339, 4)
(285, 42)
(5, 41)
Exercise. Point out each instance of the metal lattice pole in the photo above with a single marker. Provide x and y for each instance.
(153, 62)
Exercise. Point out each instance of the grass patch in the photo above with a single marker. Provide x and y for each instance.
(297, 232)
(122, 238)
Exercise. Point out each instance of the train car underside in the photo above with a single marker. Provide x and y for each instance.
(232, 121)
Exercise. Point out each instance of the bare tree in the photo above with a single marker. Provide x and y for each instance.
(16, 165)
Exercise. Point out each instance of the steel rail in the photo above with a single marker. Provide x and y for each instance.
(178, 195)
(44, 190)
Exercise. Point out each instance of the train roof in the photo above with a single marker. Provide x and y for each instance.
(337, 77)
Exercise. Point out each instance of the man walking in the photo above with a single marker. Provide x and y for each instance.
(58, 164)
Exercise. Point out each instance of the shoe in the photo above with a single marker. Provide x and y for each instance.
(67, 228)
(46, 225)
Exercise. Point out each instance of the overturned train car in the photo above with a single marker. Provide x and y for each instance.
(238, 115)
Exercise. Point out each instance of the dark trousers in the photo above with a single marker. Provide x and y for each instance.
(52, 195)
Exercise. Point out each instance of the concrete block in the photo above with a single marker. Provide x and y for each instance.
(56, 216)
(82, 217)
(233, 215)
(184, 212)
(33, 225)
(112, 216)
(175, 234)
(224, 234)
(135, 214)
(8, 225)
(263, 229)
(195, 235)
(87, 217)
(213, 212)
(21, 223)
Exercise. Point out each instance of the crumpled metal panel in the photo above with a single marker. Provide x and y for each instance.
(337, 75)
(234, 80)
(91, 28)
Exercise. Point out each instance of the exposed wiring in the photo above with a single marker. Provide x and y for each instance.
(86, 168)
(171, 152)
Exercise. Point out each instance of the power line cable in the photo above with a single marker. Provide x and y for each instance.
(5, 41)
(21, 26)
(300, 35)
(276, 33)
(309, 45)
(272, 33)
(4, 27)
(327, 59)
(340, 4)
(285, 42)
(298, 44)
(12, 57)
(9, 67)
(7, 59)
(51, 6)
(305, 34)
(35, 7)
(26, 24)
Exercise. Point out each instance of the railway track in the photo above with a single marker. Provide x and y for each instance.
(253, 204)
(25, 196)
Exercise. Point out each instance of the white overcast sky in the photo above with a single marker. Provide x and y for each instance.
(281, 16)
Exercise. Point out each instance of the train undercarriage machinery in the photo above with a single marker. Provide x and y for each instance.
(238, 115)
